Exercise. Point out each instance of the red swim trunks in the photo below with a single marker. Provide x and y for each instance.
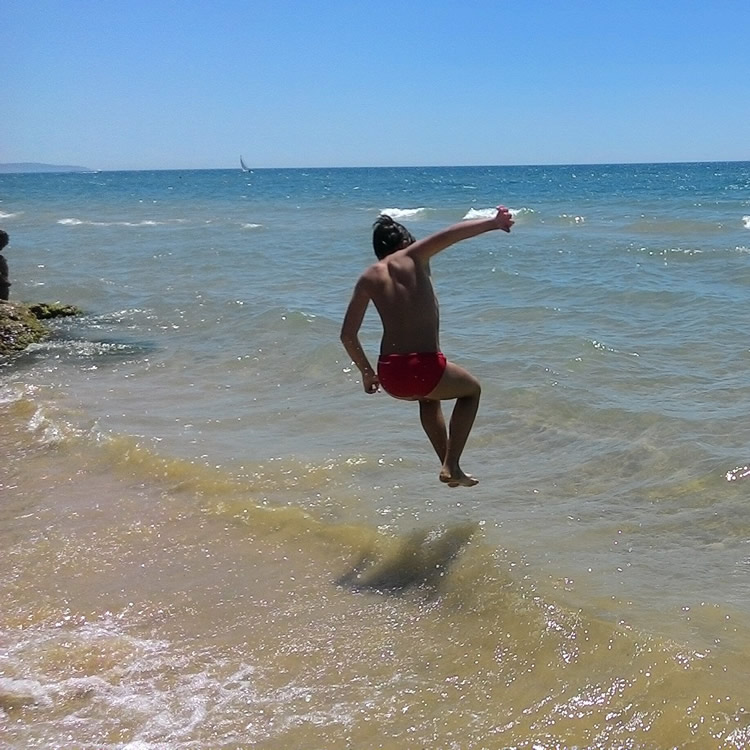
(410, 375)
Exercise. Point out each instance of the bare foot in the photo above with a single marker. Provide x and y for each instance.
(457, 479)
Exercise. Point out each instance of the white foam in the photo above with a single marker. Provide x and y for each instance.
(128, 684)
(746, 222)
(3, 215)
(17, 693)
(480, 213)
(403, 213)
(572, 219)
(489, 213)
(79, 222)
(252, 226)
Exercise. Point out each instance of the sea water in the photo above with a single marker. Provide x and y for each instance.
(213, 538)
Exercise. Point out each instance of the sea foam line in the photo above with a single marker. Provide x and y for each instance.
(489, 213)
(145, 223)
(403, 213)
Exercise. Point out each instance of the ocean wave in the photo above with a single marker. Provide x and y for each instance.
(89, 349)
(251, 226)
(404, 213)
(118, 316)
(569, 219)
(4, 215)
(72, 222)
(489, 213)
(746, 222)
(120, 666)
(480, 213)
(525, 215)
(17, 693)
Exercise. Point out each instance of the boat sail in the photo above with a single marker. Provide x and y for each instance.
(243, 166)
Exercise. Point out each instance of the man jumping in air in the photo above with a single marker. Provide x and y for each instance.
(411, 366)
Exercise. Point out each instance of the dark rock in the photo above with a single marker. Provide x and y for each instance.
(20, 324)
(46, 310)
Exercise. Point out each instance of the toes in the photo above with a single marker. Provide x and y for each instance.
(464, 480)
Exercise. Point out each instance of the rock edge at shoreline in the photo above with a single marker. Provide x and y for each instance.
(21, 323)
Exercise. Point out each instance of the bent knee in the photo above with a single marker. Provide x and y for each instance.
(471, 384)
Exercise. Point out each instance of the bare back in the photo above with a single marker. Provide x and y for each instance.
(400, 287)
(401, 290)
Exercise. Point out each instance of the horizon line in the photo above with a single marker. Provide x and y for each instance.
(60, 168)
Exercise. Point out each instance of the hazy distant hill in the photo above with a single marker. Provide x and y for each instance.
(36, 167)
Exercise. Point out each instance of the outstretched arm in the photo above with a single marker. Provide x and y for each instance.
(429, 246)
(355, 314)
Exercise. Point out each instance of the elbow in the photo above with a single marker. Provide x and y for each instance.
(348, 332)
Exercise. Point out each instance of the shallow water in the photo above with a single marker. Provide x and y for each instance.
(192, 466)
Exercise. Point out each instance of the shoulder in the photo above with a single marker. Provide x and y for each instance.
(405, 263)
(367, 282)
(375, 273)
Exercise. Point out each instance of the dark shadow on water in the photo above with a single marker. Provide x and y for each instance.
(418, 560)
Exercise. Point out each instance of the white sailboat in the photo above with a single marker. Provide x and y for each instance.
(243, 166)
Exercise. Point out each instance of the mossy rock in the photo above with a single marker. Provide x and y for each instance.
(20, 324)
(46, 310)
(19, 327)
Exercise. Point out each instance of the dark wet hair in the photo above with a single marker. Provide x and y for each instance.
(4, 239)
(388, 236)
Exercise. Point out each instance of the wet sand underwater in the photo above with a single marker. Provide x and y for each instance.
(152, 603)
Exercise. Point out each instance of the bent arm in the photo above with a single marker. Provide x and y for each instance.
(429, 246)
(355, 314)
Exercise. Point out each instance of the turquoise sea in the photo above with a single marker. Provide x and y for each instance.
(213, 538)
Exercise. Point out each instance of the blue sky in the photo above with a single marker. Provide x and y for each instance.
(140, 84)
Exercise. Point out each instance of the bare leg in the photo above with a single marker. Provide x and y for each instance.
(462, 420)
(433, 423)
(464, 387)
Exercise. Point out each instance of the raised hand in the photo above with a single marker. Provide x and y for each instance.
(504, 219)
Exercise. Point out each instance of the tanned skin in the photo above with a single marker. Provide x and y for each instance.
(400, 287)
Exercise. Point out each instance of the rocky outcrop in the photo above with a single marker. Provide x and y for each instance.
(20, 324)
